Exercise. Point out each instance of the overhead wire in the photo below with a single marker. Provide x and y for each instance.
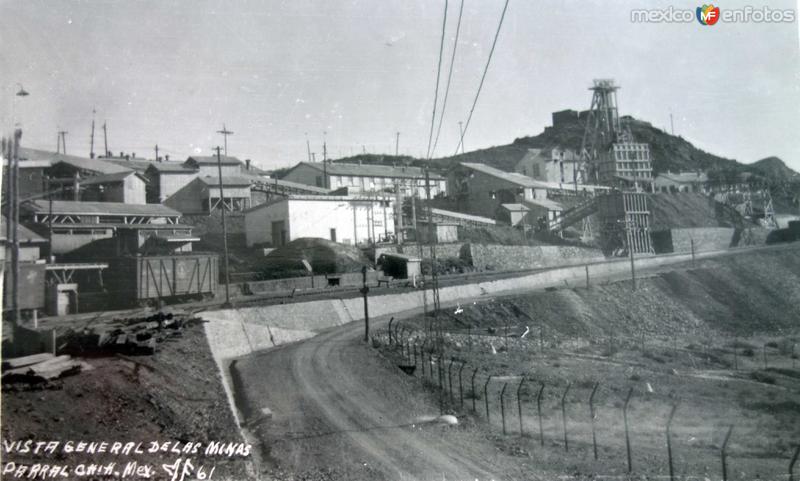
(483, 78)
(449, 79)
(438, 75)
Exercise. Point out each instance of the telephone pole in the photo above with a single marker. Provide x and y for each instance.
(397, 145)
(91, 141)
(308, 147)
(225, 133)
(63, 136)
(105, 138)
(671, 124)
(227, 303)
(325, 159)
(157, 159)
(14, 199)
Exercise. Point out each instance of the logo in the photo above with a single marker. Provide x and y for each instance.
(708, 14)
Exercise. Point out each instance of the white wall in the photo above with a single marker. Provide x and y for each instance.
(258, 222)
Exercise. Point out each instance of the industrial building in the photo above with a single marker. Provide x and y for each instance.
(76, 224)
(410, 181)
(482, 190)
(671, 182)
(344, 219)
(202, 195)
(557, 165)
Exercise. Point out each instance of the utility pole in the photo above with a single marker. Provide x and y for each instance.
(461, 134)
(105, 138)
(225, 133)
(63, 135)
(15, 232)
(308, 147)
(432, 241)
(397, 145)
(629, 229)
(671, 124)
(157, 159)
(365, 291)
(91, 141)
(325, 159)
(227, 303)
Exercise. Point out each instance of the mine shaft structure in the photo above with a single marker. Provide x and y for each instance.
(610, 156)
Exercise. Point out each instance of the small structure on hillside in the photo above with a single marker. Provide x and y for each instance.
(559, 165)
(443, 232)
(672, 182)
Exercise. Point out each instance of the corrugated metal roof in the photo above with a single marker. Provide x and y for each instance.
(684, 177)
(172, 167)
(512, 177)
(212, 160)
(229, 181)
(24, 234)
(293, 185)
(109, 178)
(515, 207)
(371, 170)
(68, 207)
(461, 215)
(83, 163)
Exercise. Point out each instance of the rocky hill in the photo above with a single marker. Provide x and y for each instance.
(669, 152)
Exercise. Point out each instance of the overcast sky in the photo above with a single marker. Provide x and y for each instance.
(171, 72)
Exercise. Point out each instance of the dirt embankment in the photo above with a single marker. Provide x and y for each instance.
(174, 395)
(736, 295)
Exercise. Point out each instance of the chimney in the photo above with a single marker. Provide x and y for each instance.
(121, 154)
(166, 158)
(247, 163)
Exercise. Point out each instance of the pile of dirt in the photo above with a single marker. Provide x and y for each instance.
(175, 395)
(324, 256)
(683, 210)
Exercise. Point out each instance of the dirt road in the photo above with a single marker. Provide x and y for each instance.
(335, 414)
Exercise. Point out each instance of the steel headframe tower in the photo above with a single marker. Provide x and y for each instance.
(602, 126)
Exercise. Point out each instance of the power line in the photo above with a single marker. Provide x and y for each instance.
(438, 74)
(449, 78)
(483, 77)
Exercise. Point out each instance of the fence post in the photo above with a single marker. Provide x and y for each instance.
(592, 413)
(486, 398)
(519, 406)
(791, 463)
(390, 330)
(587, 276)
(724, 454)
(503, 406)
(564, 415)
(460, 385)
(539, 410)
(422, 354)
(669, 441)
(415, 354)
(450, 378)
(627, 433)
(474, 394)
(541, 339)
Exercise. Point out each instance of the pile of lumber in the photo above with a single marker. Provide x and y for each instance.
(138, 335)
(40, 368)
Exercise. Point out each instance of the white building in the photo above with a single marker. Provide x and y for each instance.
(347, 220)
(367, 177)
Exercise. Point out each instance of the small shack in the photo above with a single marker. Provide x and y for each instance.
(400, 266)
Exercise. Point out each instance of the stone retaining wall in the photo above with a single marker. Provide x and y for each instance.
(512, 258)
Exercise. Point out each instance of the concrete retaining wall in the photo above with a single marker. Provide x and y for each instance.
(512, 258)
(442, 250)
(236, 332)
(308, 282)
